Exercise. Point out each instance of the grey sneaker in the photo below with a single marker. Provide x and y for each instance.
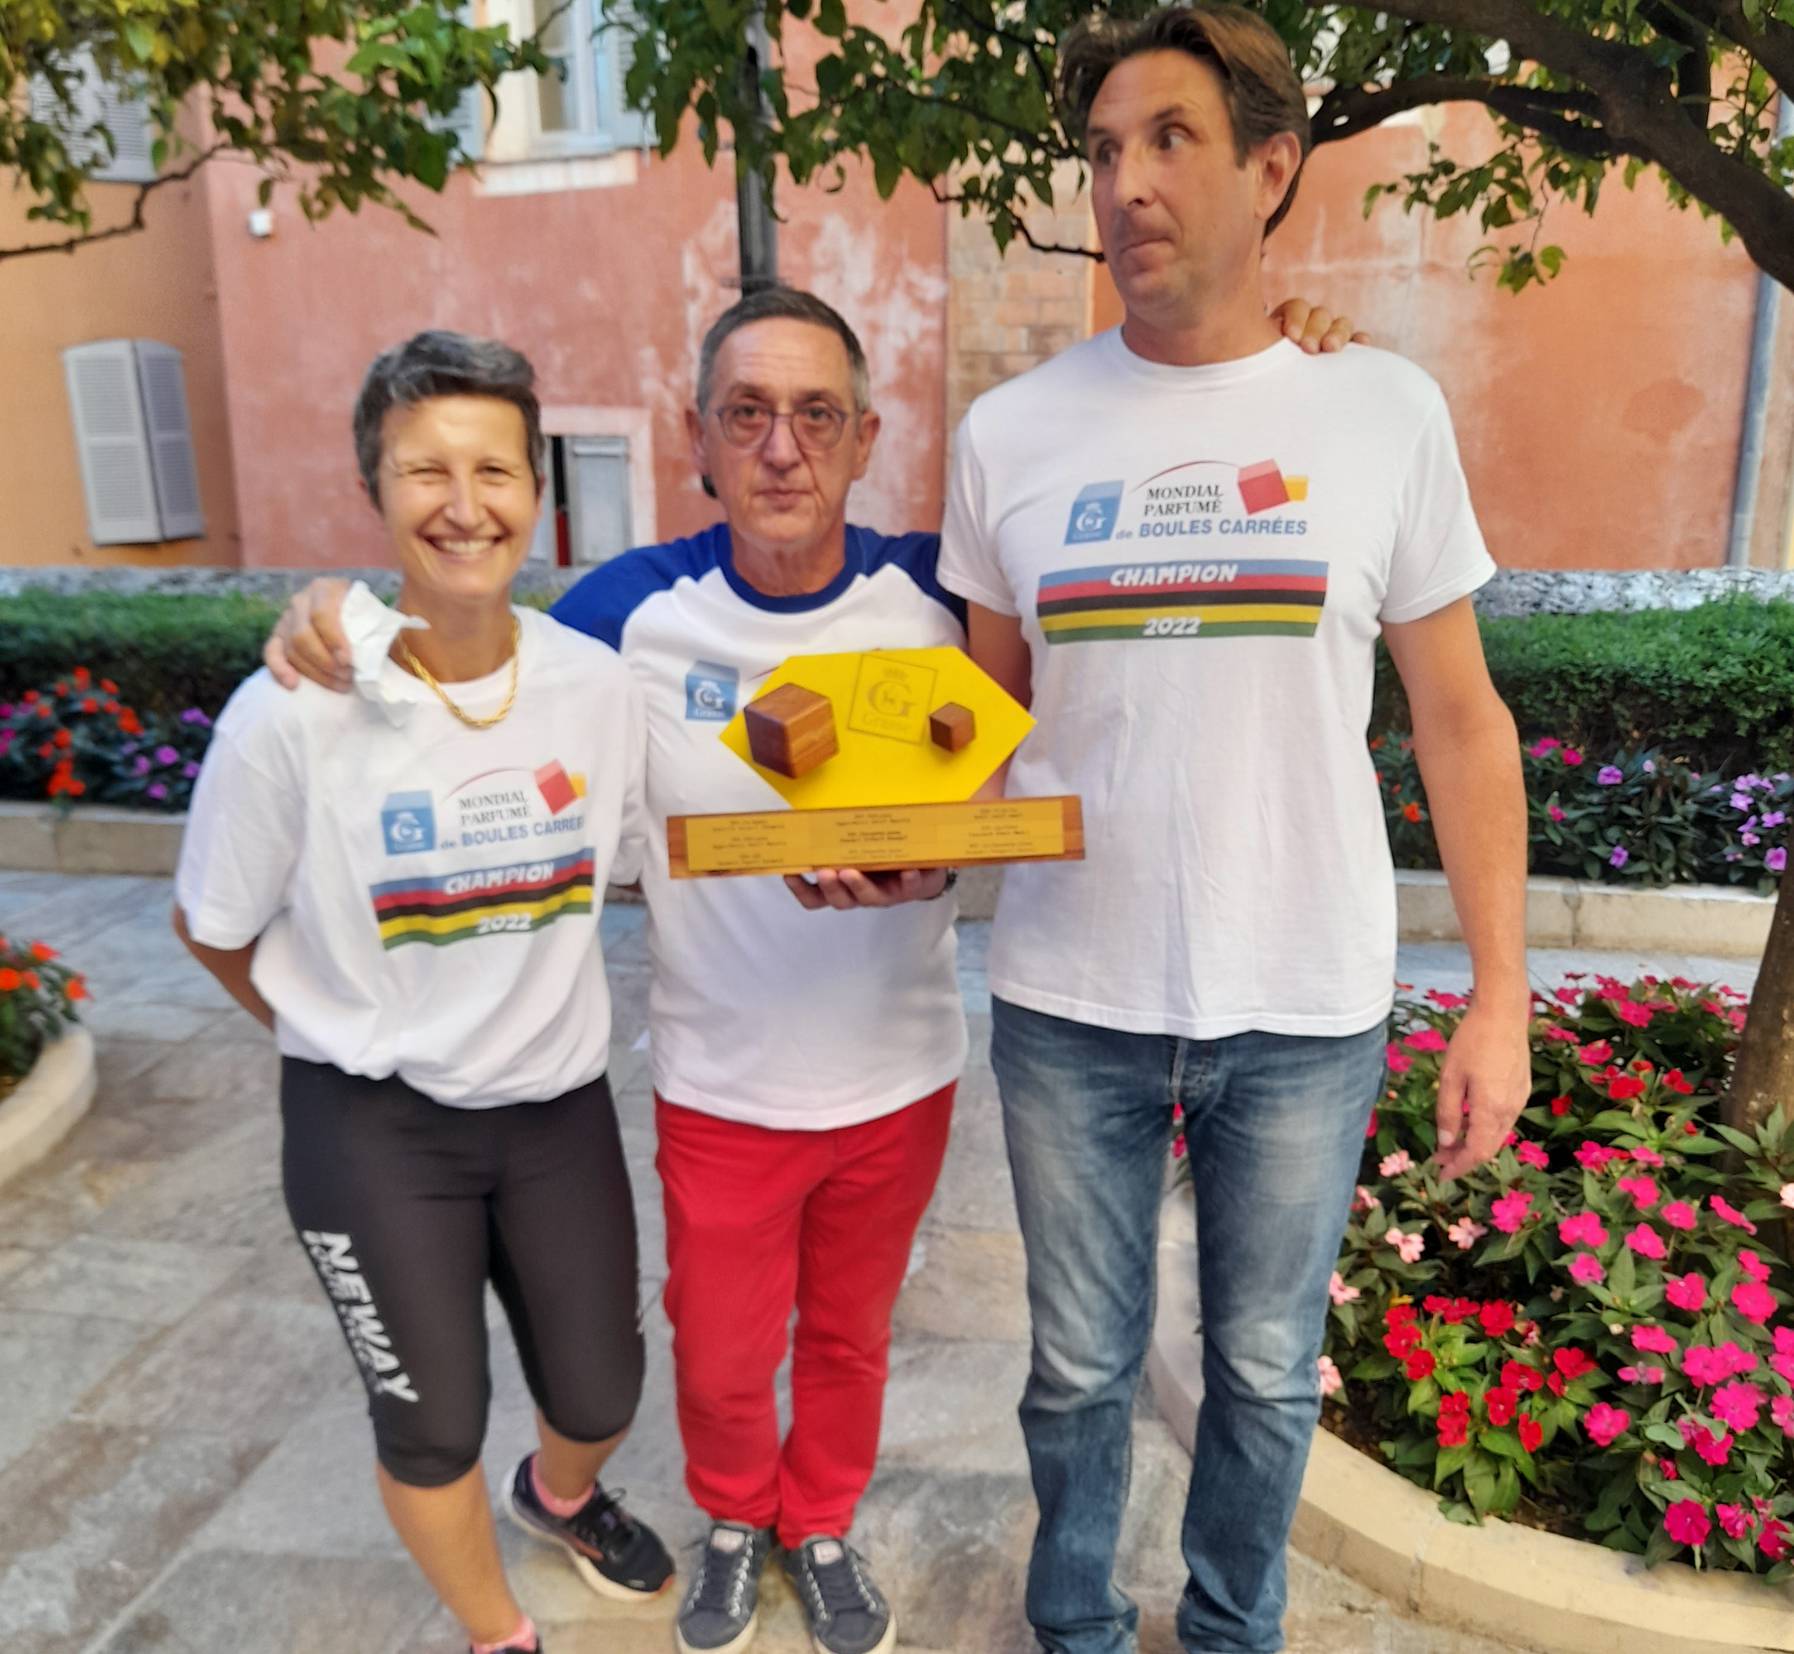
(848, 1613)
(721, 1607)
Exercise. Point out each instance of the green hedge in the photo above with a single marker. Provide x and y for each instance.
(1712, 686)
(165, 653)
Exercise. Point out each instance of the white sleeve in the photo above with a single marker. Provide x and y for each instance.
(969, 563)
(1439, 552)
(245, 828)
(632, 837)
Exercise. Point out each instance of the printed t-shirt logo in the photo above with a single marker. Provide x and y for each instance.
(1093, 512)
(710, 692)
(1248, 597)
(483, 901)
(408, 823)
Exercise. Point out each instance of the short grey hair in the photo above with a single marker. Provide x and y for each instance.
(441, 363)
(780, 303)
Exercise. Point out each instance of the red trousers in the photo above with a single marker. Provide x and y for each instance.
(761, 1222)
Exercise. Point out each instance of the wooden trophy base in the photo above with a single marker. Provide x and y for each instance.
(876, 838)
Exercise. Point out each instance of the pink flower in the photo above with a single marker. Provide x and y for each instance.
(1409, 1246)
(1584, 1229)
(1737, 1404)
(1510, 1211)
(1570, 756)
(1754, 1301)
(1393, 1165)
(1705, 1365)
(1586, 1268)
(1339, 1292)
(1686, 1522)
(1654, 1340)
(1603, 1423)
(1733, 1520)
(1781, 1409)
(1545, 746)
(1596, 1054)
(1397, 1060)
(1642, 1189)
(1737, 1359)
(1678, 1214)
(1773, 1540)
(1331, 1382)
(1687, 1292)
(1646, 1242)
(1643, 1375)
(1364, 1200)
(1634, 1012)
(1788, 1194)
(1723, 1208)
(1424, 1039)
(1783, 1359)
(1530, 1154)
(1465, 1233)
(1647, 1157)
(1593, 1156)
(1564, 1036)
(1752, 1265)
(1713, 1450)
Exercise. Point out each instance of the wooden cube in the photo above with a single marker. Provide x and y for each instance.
(791, 730)
(952, 726)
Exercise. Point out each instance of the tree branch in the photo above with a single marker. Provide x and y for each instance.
(1772, 45)
(1348, 110)
(131, 226)
(948, 199)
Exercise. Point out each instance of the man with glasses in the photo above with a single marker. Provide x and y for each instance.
(803, 1071)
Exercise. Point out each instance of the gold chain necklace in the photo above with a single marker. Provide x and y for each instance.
(468, 718)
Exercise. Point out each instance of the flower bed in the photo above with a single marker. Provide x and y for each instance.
(1590, 1332)
(1635, 818)
(38, 997)
(74, 739)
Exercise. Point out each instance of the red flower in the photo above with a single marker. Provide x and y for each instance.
(90, 705)
(1572, 1364)
(83, 677)
(62, 738)
(1411, 812)
(1420, 1365)
(1371, 1129)
(42, 952)
(1624, 1090)
(109, 686)
(1501, 1404)
(9, 980)
(1398, 1315)
(1516, 1375)
(1402, 1341)
(1497, 1319)
(1560, 1106)
(30, 979)
(1531, 1432)
(77, 988)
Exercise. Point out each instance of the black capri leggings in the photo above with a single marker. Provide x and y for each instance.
(407, 1208)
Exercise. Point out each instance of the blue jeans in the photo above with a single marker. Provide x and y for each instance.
(1274, 1125)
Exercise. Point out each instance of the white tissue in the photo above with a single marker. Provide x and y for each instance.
(370, 626)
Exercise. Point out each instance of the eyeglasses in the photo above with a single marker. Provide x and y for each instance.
(816, 427)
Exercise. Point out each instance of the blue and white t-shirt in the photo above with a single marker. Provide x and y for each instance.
(760, 1011)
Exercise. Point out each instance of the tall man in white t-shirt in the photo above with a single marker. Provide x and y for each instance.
(1182, 540)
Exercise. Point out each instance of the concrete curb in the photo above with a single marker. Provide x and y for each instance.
(48, 1102)
(95, 838)
(1500, 1580)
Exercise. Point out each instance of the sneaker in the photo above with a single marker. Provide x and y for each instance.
(536, 1647)
(848, 1614)
(721, 1607)
(615, 1554)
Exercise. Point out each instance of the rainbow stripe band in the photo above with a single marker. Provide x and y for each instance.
(519, 896)
(1219, 597)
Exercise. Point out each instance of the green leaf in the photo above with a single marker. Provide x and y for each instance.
(1479, 1482)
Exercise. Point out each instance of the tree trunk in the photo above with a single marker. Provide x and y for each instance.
(1763, 1075)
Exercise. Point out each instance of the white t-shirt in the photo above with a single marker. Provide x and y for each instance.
(426, 895)
(758, 1010)
(1202, 559)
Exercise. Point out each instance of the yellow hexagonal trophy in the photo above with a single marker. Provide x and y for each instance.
(878, 756)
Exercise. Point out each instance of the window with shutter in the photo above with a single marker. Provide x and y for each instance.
(598, 517)
(94, 102)
(468, 122)
(128, 400)
(614, 44)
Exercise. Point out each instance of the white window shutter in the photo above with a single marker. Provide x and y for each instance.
(95, 102)
(163, 380)
(468, 122)
(598, 520)
(116, 470)
(628, 128)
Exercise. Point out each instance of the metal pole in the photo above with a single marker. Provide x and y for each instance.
(1756, 397)
(756, 227)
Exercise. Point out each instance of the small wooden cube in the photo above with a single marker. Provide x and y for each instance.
(952, 726)
(791, 730)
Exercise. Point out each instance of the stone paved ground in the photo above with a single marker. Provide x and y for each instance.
(183, 1460)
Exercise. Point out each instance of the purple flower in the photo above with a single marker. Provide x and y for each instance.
(1774, 818)
(1650, 767)
(1749, 838)
(1776, 860)
(1742, 801)
(189, 771)
(1610, 775)
(5, 709)
(142, 766)
(167, 755)
(157, 791)
(1620, 856)
(194, 716)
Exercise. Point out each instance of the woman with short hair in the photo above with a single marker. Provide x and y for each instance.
(404, 885)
